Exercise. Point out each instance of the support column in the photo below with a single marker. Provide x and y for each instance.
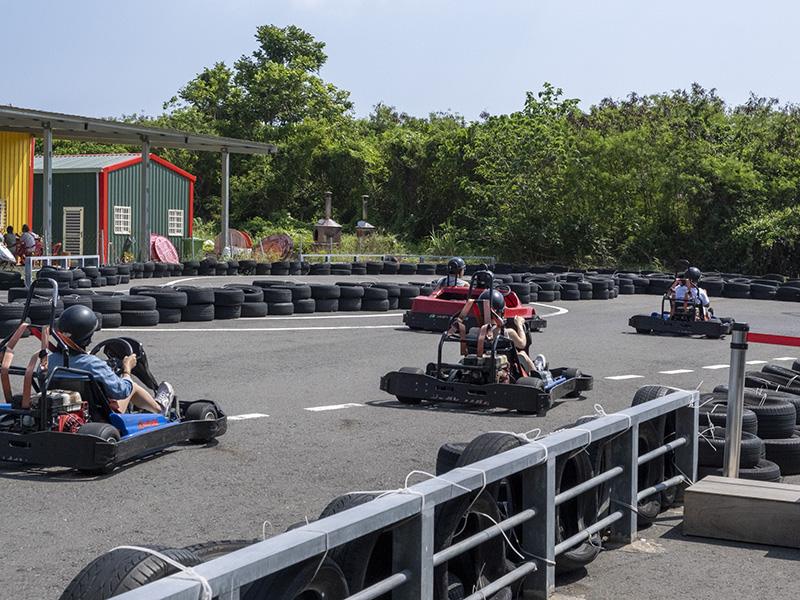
(47, 191)
(733, 423)
(144, 230)
(225, 198)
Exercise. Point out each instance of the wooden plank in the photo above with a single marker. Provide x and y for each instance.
(742, 510)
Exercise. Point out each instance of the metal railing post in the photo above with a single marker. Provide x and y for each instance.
(686, 425)
(539, 533)
(412, 550)
(624, 488)
(733, 427)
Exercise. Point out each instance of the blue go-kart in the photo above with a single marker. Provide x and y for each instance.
(61, 417)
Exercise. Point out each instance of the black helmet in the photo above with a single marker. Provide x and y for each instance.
(692, 273)
(455, 265)
(498, 302)
(79, 322)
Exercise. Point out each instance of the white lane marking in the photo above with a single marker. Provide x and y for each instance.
(559, 310)
(234, 329)
(785, 358)
(332, 407)
(756, 362)
(620, 377)
(677, 371)
(248, 416)
(712, 367)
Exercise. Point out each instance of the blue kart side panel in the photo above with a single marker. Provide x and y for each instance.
(136, 423)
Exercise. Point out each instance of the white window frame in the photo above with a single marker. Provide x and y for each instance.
(122, 220)
(175, 222)
(3, 215)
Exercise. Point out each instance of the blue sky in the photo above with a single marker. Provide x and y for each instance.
(108, 59)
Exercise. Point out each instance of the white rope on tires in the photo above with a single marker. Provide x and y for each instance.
(206, 592)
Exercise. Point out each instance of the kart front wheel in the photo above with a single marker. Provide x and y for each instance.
(535, 383)
(200, 411)
(642, 330)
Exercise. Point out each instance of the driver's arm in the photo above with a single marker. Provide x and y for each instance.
(128, 363)
(516, 332)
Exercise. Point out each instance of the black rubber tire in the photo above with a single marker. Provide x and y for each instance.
(304, 306)
(280, 308)
(169, 315)
(254, 310)
(711, 448)
(140, 318)
(228, 297)
(376, 293)
(375, 305)
(135, 302)
(448, 455)
(785, 453)
(765, 470)
(310, 579)
(347, 292)
(210, 550)
(197, 312)
(349, 304)
(327, 305)
(123, 570)
(368, 559)
(225, 312)
(166, 298)
(252, 293)
(325, 292)
(277, 295)
(197, 295)
(107, 304)
(536, 383)
(200, 411)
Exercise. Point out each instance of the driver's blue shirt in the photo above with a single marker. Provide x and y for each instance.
(114, 386)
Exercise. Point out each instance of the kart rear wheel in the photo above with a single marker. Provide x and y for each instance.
(407, 399)
(200, 411)
(109, 434)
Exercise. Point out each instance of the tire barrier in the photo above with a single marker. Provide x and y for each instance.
(503, 515)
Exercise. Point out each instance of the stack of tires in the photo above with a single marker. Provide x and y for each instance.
(169, 302)
(199, 303)
(253, 305)
(9, 279)
(107, 306)
(138, 310)
(376, 298)
(278, 299)
(350, 295)
(326, 297)
(228, 303)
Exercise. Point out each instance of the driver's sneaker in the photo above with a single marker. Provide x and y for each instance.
(164, 396)
(540, 362)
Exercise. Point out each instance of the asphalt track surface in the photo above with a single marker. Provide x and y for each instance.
(309, 423)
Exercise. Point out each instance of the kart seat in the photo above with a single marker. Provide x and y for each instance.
(683, 311)
(504, 344)
(87, 387)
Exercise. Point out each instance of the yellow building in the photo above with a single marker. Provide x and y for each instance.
(16, 179)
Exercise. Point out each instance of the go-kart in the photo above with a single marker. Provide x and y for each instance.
(683, 316)
(61, 417)
(490, 372)
(434, 312)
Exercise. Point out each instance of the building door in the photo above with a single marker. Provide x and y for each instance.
(73, 230)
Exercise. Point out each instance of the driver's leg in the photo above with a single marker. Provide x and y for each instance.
(141, 398)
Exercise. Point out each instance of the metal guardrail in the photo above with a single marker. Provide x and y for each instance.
(81, 259)
(410, 513)
(420, 257)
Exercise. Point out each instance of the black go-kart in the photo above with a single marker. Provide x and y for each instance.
(682, 316)
(60, 416)
(489, 373)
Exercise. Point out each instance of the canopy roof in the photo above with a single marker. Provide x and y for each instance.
(86, 129)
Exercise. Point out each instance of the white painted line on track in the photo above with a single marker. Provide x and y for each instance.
(713, 367)
(756, 362)
(621, 377)
(559, 310)
(332, 407)
(248, 416)
(235, 329)
(677, 371)
(785, 358)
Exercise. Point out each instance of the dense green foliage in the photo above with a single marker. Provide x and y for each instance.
(639, 181)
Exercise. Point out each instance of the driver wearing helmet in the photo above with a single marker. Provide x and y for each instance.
(688, 289)
(75, 326)
(455, 271)
(515, 330)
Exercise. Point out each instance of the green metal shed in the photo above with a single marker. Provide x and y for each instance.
(97, 202)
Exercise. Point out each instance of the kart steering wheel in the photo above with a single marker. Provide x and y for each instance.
(503, 289)
(115, 349)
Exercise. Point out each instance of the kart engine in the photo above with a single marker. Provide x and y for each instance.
(485, 362)
(69, 410)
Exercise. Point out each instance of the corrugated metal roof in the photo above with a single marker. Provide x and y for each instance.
(91, 163)
(74, 127)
